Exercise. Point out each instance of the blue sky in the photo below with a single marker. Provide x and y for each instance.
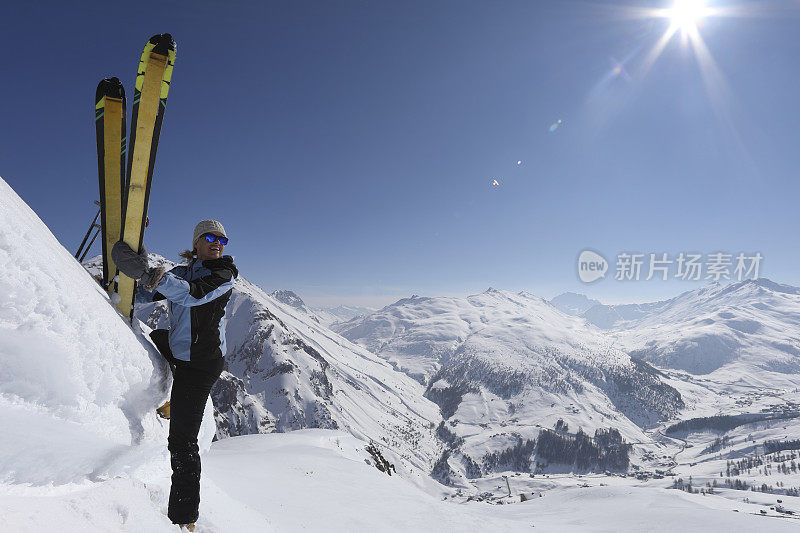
(350, 147)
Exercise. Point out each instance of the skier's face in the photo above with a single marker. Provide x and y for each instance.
(209, 250)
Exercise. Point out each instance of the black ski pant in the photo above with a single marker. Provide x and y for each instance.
(191, 385)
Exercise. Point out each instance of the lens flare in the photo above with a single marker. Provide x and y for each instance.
(686, 14)
(686, 19)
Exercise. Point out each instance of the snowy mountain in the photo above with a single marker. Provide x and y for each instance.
(731, 350)
(237, 412)
(341, 313)
(327, 316)
(753, 323)
(601, 315)
(501, 365)
(611, 316)
(293, 300)
(573, 304)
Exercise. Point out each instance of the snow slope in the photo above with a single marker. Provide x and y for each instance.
(308, 376)
(77, 387)
(319, 480)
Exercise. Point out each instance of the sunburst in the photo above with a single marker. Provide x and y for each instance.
(688, 20)
(685, 15)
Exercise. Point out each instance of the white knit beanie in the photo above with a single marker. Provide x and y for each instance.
(207, 226)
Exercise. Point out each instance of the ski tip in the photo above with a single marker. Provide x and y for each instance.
(163, 43)
(110, 87)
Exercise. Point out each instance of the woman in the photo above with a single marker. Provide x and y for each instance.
(194, 345)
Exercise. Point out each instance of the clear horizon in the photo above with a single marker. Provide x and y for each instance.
(362, 153)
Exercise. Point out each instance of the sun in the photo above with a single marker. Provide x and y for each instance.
(686, 14)
(686, 19)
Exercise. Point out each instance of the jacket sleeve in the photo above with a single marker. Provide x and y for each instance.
(157, 296)
(195, 292)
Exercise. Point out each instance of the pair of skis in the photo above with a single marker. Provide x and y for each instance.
(125, 190)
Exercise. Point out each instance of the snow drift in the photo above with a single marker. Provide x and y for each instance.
(76, 385)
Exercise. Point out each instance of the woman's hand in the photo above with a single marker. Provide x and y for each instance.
(129, 262)
(135, 266)
(151, 278)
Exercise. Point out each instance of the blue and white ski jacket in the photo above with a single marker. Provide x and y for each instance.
(198, 294)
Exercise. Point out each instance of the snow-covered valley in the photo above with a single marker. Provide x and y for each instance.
(498, 411)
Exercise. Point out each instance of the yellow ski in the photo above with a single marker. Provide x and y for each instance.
(149, 104)
(109, 117)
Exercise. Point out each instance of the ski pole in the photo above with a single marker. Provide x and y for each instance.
(90, 245)
(91, 227)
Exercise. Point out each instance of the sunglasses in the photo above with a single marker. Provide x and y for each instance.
(210, 237)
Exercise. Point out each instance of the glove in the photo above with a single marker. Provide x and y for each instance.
(135, 266)
(151, 278)
(129, 262)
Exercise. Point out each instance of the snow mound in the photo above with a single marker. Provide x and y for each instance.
(76, 385)
(331, 473)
